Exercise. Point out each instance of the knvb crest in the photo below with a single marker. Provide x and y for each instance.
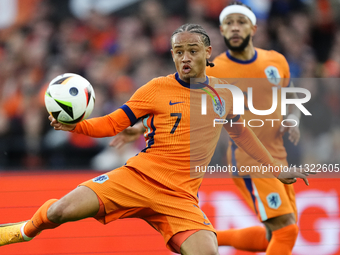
(274, 200)
(218, 108)
(273, 75)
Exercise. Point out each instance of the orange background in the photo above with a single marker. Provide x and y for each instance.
(21, 193)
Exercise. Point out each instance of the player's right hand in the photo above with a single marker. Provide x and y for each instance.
(59, 126)
(289, 177)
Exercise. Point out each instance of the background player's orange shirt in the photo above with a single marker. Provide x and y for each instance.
(266, 69)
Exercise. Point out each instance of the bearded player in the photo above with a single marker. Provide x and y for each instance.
(271, 200)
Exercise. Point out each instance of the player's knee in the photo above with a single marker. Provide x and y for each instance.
(212, 250)
(280, 222)
(58, 212)
(204, 243)
(209, 249)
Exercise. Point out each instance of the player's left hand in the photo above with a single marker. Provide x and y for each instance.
(289, 177)
(294, 133)
(128, 135)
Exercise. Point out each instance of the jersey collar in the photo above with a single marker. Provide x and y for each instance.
(242, 61)
(192, 86)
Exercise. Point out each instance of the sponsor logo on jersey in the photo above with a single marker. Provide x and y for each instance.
(172, 103)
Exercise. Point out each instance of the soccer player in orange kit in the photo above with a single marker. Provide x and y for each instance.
(272, 201)
(159, 184)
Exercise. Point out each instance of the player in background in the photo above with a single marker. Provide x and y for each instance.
(271, 200)
(156, 185)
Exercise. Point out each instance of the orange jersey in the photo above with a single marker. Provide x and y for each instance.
(176, 140)
(270, 70)
(178, 137)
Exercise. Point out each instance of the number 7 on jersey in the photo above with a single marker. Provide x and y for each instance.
(179, 116)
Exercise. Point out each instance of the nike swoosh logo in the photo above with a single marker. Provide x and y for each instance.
(206, 223)
(172, 103)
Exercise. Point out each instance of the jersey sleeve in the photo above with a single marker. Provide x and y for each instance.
(142, 102)
(108, 125)
(246, 139)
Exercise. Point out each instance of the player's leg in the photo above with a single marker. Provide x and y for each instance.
(202, 242)
(80, 203)
(279, 239)
(253, 239)
(184, 226)
(283, 228)
(284, 232)
(274, 203)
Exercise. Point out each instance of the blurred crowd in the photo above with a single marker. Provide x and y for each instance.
(122, 50)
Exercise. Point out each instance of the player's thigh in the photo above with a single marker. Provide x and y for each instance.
(268, 197)
(120, 188)
(175, 215)
(202, 242)
(80, 203)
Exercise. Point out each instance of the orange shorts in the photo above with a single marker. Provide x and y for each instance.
(127, 193)
(268, 197)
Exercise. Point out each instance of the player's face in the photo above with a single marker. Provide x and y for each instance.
(190, 55)
(237, 30)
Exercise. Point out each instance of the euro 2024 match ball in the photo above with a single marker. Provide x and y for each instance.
(69, 98)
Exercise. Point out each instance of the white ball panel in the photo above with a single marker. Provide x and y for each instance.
(51, 104)
(74, 104)
(64, 117)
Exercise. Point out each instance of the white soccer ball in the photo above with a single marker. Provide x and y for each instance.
(69, 98)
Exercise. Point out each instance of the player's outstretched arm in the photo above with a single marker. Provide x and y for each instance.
(245, 138)
(108, 125)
